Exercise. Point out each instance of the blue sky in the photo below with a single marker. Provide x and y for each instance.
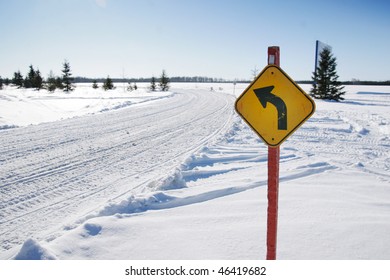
(216, 38)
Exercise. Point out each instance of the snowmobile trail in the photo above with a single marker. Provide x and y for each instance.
(54, 173)
(182, 177)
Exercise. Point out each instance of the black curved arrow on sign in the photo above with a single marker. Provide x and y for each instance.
(265, 95)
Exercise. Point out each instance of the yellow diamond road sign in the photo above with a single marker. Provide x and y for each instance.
(274, 105)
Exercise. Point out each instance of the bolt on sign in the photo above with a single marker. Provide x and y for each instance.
(274, 106)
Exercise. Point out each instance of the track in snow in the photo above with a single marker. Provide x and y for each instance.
(54, 173)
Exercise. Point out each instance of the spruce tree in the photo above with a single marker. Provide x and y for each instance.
(17, 80)
(131, 87)
(29, 81)
(325, 79)
(1, 83)
(38, 81)
(153, 84)
(67, 77)
(108, 84)
(59, 82)
(164, 81)
(95, 85)
(51, 82)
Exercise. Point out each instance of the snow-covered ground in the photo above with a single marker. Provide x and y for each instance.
(21, 107)
(178, 175)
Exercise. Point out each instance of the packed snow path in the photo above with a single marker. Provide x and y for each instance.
(52, 174)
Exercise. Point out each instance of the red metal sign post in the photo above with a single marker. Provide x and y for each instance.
(273, 178)
(293, 107)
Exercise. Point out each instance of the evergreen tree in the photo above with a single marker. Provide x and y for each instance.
(29, 81)
(153, 84)
(129, 87)
(67, 77)
(38, 81)
(95, 85)
(164, 81)
(17, 80)
(325, 79)
(51, 82)
(59, 82)
(1, 83)
(33, 79)
(108, 84)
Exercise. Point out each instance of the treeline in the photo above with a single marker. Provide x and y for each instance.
(65, 82)
(367, 83)
(181, 79)
(34, 79)
(108, 83)
(353, 82)
(198, 79)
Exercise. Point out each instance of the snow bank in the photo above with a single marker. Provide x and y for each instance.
(171, 182)
(148, 201)
(32, 250)
(6, 126)
(135, 204)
